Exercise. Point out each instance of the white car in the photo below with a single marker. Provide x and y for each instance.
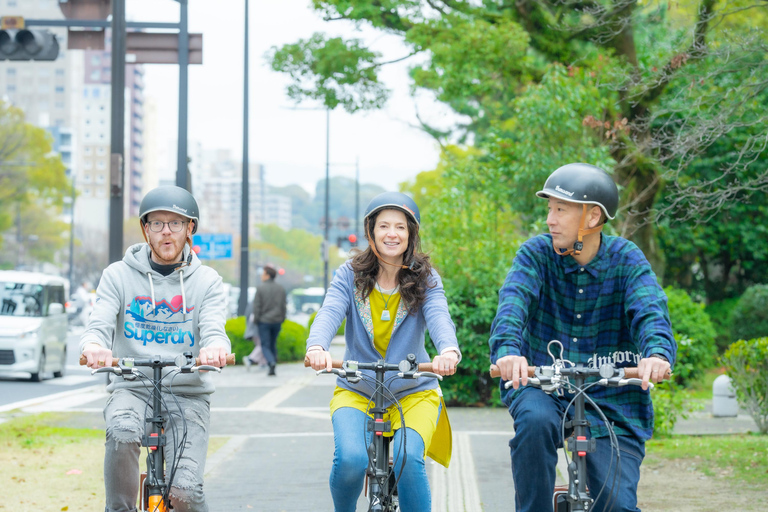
(33, 324)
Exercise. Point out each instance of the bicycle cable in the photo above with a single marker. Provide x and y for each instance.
(611, 435)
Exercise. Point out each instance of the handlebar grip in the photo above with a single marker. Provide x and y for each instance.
(115, 360)
(423, 367)
(495, 373)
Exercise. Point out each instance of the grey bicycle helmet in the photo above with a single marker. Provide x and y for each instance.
(583, 184)
(395, 200)
(170, 199)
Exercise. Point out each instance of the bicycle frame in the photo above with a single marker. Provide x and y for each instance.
(153, 488)
(381, 487)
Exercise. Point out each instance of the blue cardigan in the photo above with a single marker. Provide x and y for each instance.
(344, 301)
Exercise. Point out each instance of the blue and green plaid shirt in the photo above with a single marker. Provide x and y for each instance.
(611, 310)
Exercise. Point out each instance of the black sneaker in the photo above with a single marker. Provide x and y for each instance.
(272, 370)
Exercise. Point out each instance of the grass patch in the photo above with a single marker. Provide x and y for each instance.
(49, 467)
(741, 456)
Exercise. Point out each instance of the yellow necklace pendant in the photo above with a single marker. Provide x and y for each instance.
(385, 315)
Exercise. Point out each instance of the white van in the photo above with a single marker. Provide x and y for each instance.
(33, 324)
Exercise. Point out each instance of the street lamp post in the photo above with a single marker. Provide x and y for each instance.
(245, 192)
(327, 198)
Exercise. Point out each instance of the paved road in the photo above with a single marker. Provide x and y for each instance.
(17, 391)
(279, 446)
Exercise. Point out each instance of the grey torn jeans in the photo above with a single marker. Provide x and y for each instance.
(125, 417)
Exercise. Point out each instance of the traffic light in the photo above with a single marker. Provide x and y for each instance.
(352, 240)
(27, 44)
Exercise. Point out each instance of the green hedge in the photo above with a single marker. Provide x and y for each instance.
(339, 332)
(746, 363)
(291, 343)
(749, 319)
(695, 335)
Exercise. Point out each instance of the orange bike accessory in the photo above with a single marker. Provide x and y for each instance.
(156, 504)
(579, 245)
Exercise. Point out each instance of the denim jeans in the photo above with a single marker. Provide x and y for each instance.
(124, 415)
(350, 459)
(537, 416)
(268, 333)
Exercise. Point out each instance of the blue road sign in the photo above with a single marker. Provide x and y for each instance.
(213, 246)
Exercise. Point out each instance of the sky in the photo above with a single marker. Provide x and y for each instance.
(289, 139)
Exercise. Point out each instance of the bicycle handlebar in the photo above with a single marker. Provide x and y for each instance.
(150, 362)
(629, 373)
(423, 367)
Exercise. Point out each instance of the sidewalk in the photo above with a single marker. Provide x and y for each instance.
(279, 443)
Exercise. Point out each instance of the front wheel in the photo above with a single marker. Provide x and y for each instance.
(38, 376)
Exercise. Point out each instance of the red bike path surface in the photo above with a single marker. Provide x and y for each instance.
(278, 445)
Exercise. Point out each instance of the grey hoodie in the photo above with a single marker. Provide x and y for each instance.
(141, 313)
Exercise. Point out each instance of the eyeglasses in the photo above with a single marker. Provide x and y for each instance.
(175, 225)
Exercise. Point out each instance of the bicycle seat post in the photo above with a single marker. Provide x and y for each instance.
(579, 445)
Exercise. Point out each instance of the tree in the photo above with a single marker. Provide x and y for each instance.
(33, 183)
(653, 61)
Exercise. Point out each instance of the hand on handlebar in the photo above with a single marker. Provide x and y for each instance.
(446, 363)
(213, 356)
(97, 356)
(652, 369)
(319, 359)
(514, 369)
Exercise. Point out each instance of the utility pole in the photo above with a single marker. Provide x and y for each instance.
(117, 150)
(243, 302)
(182, 170)
(72, 236)
(357, 197)
(327, 198)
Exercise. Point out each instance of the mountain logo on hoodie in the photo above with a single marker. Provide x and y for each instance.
(164, 323)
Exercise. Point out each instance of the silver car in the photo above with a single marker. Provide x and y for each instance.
(33, 324)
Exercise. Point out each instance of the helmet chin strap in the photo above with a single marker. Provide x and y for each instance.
(579, 245)
(372, 244)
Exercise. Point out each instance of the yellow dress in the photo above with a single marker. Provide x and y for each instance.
(424, 411)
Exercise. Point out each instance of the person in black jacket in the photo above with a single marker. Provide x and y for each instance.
(269, 314)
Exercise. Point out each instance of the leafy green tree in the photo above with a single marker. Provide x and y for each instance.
(478, 56)
(33, 185)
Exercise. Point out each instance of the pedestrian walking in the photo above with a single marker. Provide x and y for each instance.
(269, 314)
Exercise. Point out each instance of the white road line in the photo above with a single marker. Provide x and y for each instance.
(275, 397)
(455, 488)
(49, 398)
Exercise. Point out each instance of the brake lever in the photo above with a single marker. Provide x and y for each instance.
(205, 367)
(116, 370)
(620, 382)
(416, 375)
(532, 381)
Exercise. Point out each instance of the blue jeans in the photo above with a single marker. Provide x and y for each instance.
(268, 333)
(537, 418)
(350, 459)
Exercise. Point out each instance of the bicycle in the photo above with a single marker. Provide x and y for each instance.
(575, 496)
(381, 481)
(153, 486)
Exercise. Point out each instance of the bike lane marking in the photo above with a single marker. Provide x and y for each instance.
(57, 401)
(455, 488)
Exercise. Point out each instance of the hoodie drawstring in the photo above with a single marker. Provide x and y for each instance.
(152, 293)
(183, 296)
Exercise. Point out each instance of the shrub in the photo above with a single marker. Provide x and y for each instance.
(291, 343)
(749, 318)
(669, 405)
(720, 314)
(694, 333)
(339, 332)
(746, 363)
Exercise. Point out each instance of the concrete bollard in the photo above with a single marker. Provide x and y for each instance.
(724, 398)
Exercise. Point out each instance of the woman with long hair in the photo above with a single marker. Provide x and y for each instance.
(390, 295)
